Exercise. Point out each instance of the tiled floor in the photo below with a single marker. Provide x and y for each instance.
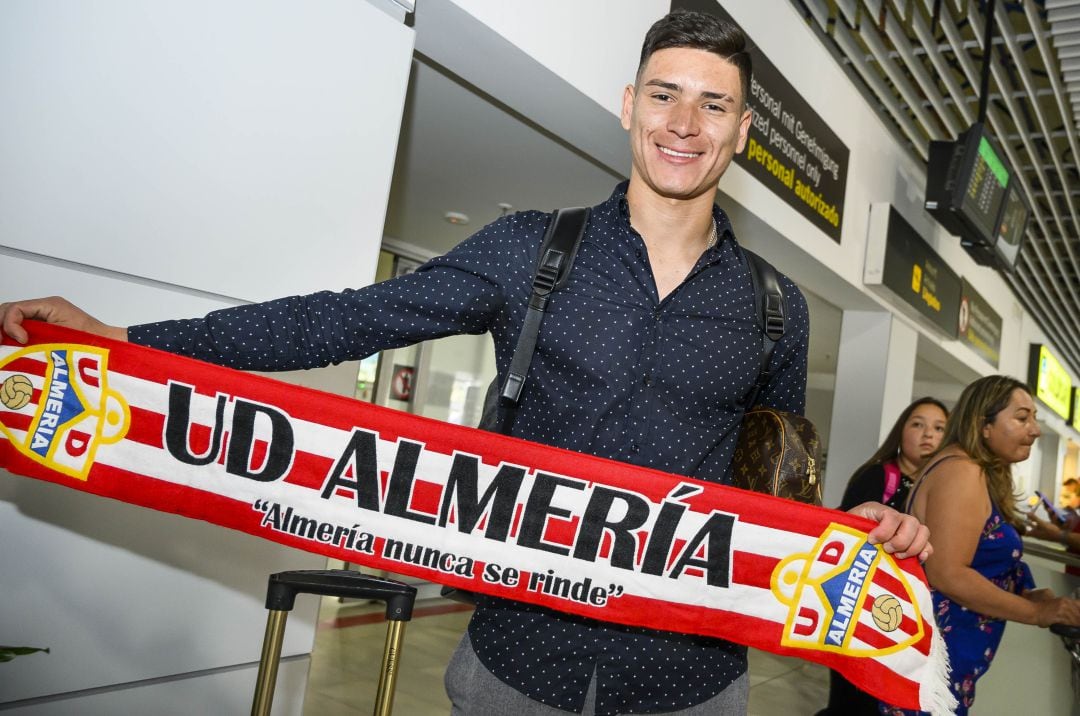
(348, 654)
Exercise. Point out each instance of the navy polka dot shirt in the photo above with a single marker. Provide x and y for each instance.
(617, 373)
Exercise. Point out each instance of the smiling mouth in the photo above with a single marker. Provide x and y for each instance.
(680, 155)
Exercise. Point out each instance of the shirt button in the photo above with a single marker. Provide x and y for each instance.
(647, 380)
(634, 448)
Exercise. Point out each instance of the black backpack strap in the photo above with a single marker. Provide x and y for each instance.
(770, 311)
(557, 253)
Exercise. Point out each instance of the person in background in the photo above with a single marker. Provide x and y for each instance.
(1044, 529)
(1070, 499)
(1067, 534)
(887, 477)
(965, 496)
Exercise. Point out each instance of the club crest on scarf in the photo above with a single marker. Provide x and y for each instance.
(847, 596)
(56, 407)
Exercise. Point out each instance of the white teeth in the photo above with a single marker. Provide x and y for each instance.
(672, 152)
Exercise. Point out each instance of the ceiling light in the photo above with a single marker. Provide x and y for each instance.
(456, 217)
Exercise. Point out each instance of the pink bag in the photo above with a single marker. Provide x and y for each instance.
(892, 481)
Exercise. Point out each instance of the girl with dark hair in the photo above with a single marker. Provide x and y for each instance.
(887, 478)
(966, 497)
(888, 475)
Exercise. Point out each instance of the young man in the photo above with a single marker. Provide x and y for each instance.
(646, 357)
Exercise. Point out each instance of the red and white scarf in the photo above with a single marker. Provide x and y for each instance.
(468, 508)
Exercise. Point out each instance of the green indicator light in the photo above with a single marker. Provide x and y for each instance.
(992, 161)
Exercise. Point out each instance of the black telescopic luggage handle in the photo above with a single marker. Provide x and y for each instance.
(281, 594)
(283, 587)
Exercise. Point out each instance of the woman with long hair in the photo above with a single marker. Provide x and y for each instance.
(965, 496)
(890, 472)
(887, 477)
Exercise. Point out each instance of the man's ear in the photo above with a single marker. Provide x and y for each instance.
(744, 129)
(627, 107)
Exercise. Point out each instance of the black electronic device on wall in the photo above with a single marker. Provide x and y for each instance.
(975, 194)
(1013, 226)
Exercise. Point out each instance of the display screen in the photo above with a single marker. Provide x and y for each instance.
(1014, 221)
(973, 192)
(985, 192)
(1051, 381)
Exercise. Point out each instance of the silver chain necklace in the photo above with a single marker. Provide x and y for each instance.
(712, 237)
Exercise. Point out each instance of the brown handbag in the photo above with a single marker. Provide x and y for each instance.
(778, 453)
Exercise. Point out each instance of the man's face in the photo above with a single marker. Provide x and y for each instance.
(686, 118)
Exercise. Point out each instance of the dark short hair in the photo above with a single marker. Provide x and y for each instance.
(700, 31)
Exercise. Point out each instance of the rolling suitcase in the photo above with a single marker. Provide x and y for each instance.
(281, 596)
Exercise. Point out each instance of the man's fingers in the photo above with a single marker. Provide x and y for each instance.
(917, 544)
(903, 536)
(12, 317)
(52, 310)
(888, 521)
(899, 534)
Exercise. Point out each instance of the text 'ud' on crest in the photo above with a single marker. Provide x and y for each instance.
(56, 407)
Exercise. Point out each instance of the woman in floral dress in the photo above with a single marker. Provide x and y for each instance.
(965, 496)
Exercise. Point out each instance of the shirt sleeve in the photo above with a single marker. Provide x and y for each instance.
(786, 389)
(461, 292)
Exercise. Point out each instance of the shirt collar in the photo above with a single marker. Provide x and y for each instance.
(618, 204)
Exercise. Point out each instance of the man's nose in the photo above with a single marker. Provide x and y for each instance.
(683, 120)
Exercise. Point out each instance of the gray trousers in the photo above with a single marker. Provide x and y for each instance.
(475, 691)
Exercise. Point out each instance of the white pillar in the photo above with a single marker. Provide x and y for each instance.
(875, 369)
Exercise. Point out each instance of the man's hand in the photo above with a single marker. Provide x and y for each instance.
(901, 535)
(52, 310)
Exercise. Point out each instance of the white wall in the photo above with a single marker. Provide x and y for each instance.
(161, 160)
(136, 136)
(592, 45)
